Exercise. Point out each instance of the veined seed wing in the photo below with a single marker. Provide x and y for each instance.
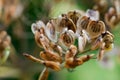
(74, 15)
(95, 28)
(37, 26)
(82, 23)
(51, 31)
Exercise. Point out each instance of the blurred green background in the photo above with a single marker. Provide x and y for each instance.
(17, 67)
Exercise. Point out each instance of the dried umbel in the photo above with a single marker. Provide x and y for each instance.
(66, 38)
(5, 42)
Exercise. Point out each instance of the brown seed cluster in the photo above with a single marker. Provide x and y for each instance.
(59, 39)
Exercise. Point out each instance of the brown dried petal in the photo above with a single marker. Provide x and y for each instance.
(51, 31)
(95, 28)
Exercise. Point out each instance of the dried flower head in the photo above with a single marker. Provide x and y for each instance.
(66, 38)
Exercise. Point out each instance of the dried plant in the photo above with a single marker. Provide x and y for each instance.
(58, 37)
(67, 38)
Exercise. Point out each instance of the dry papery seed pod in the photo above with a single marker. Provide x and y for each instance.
(92, 27)
(108, 39)
(104, 42)
(65, 22)
(95, 28)
(74, 15)
(82, 23)
(39, 26)
(51, 31)
(82, 40)
(42, 41)
(67, 38)
(38, 30)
